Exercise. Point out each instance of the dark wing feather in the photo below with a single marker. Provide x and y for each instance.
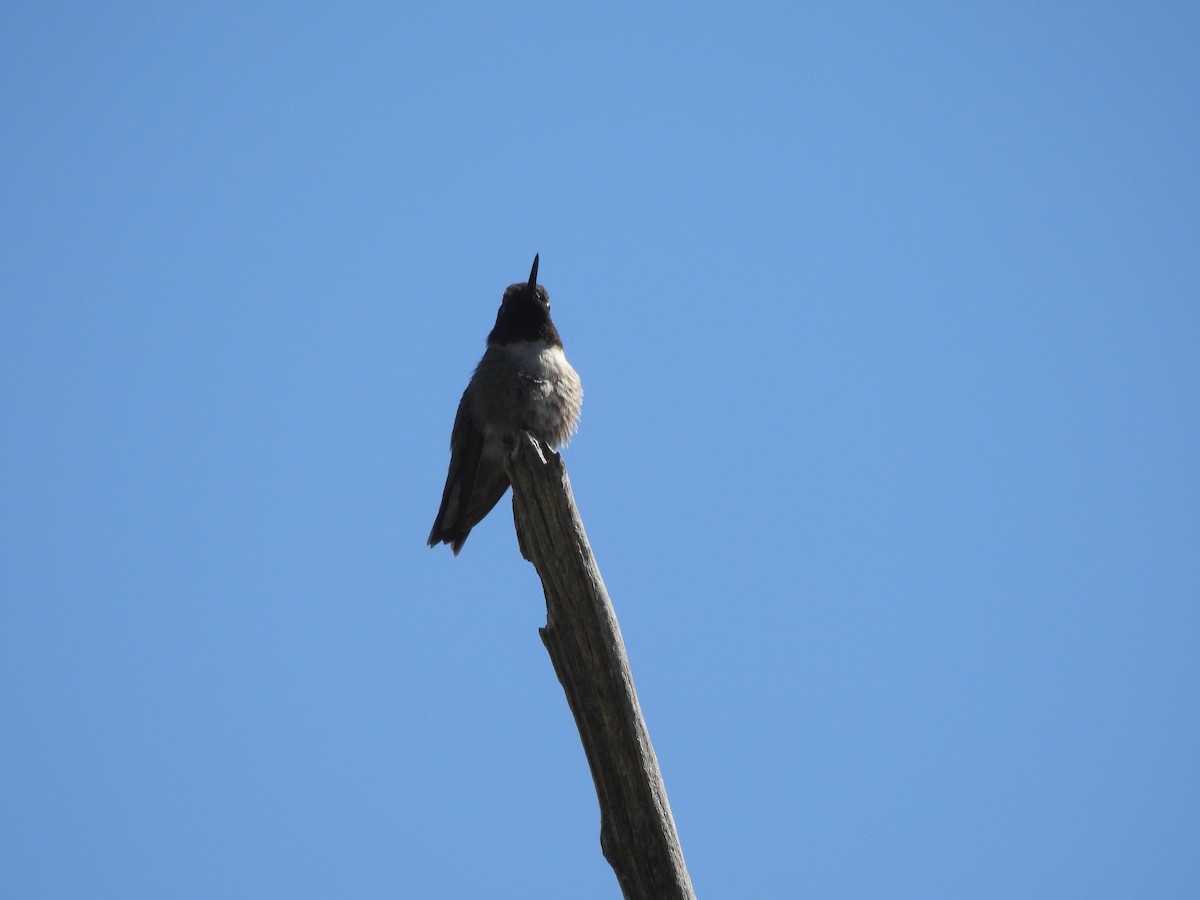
(475, 483)
(490, 485)
(466, 448)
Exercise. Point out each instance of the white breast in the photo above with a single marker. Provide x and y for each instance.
(540, 360)
(530, 386)
(552, 395)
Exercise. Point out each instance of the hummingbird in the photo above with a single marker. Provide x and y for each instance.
(523, 384)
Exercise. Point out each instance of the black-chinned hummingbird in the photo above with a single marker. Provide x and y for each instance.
(523, 384)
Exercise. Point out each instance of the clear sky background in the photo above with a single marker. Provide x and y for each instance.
(888, 319)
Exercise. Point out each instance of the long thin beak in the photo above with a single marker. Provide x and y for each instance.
(533, 273)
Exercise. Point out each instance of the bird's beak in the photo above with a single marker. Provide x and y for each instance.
(533, 273)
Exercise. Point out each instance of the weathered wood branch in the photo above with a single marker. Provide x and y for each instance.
(637, 832)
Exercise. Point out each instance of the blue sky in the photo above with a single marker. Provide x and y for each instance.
(887, 320)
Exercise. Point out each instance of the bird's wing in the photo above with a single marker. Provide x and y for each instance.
(466, 448)
(475, 483)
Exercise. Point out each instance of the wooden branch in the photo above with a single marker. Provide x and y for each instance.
(637, 832)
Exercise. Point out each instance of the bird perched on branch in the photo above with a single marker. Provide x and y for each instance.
(523, 384)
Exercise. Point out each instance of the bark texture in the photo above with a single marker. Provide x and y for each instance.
(637, 831)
